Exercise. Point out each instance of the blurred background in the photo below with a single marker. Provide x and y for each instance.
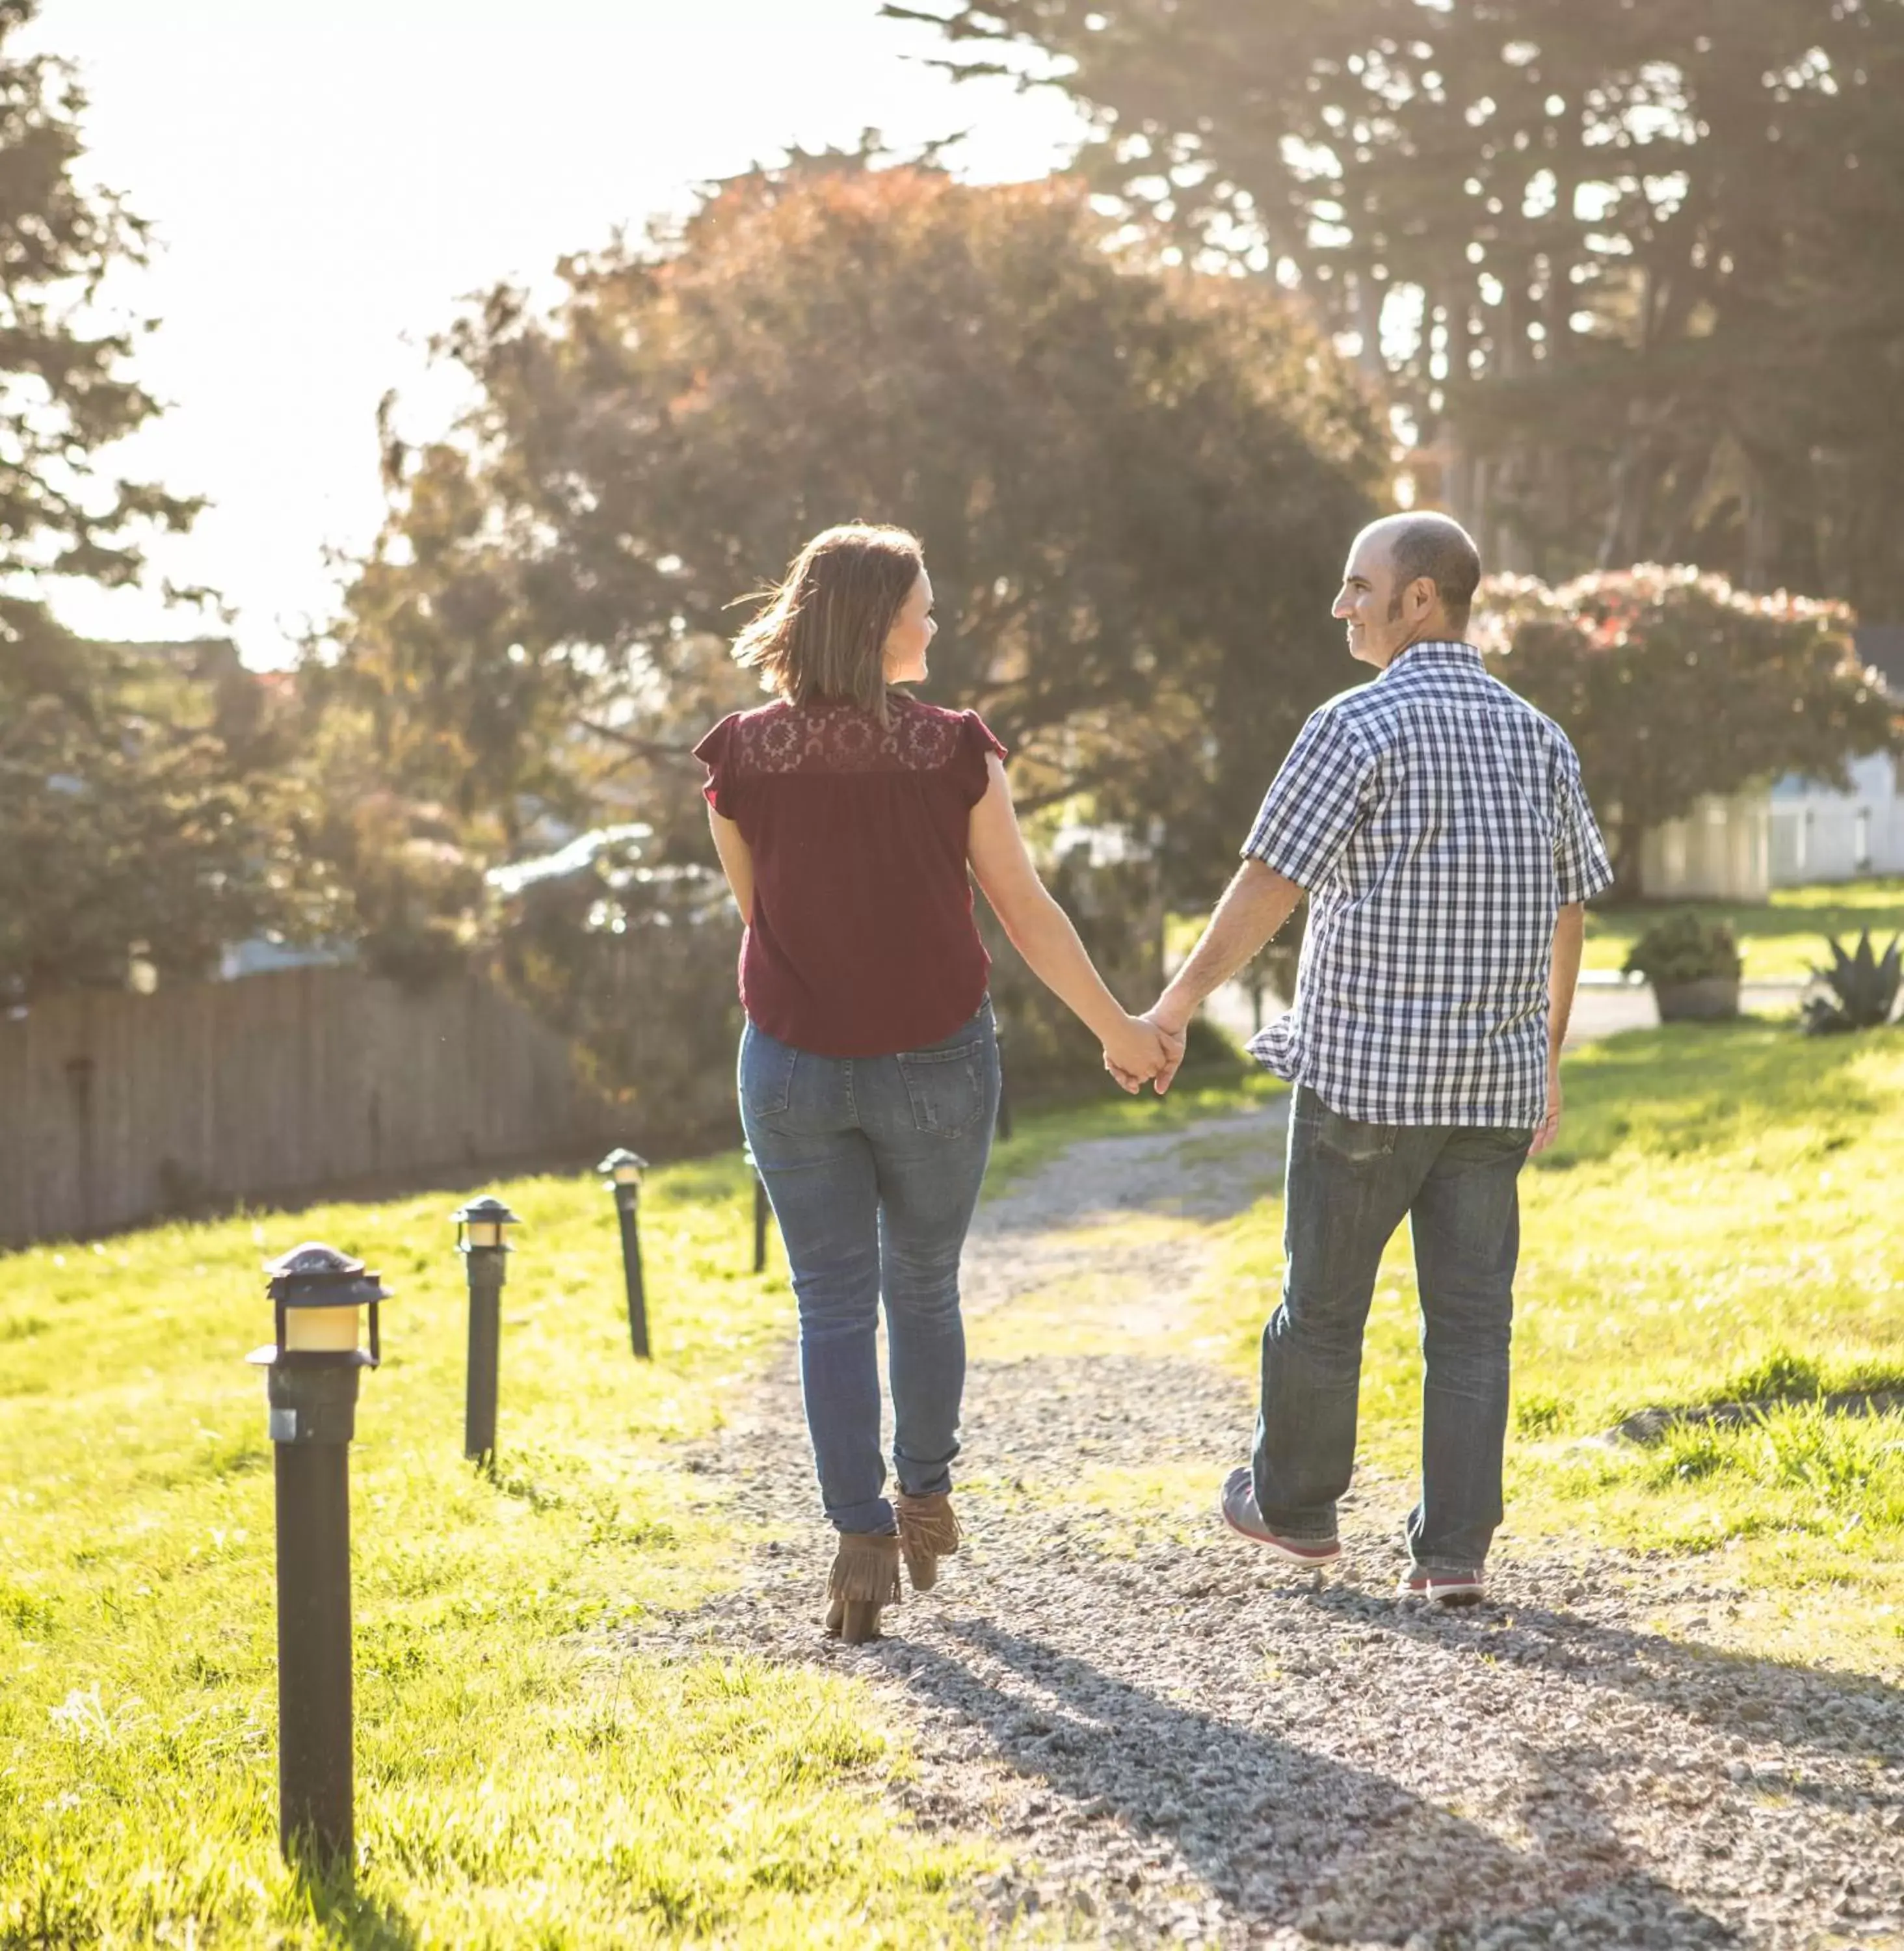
(399, 400)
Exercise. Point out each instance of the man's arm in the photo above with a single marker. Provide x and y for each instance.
(1569, 937)
(1255, 904)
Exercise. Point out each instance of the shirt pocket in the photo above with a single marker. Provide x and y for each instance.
(945, 1088)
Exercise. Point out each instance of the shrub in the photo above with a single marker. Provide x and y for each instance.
(1859, 991)
(1684, 948)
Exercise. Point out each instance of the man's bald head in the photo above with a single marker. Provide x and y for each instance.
(1434, 546)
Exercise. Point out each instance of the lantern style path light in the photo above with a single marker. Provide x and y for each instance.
(1002, 1127)
(311, 1374)
(762, 1212)
(481, 1238)
(621, 1171)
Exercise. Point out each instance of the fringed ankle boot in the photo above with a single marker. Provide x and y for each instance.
(865, 1577)
(928, 1531)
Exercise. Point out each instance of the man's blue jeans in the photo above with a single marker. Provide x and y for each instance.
(873, 1165)
(1349, 1186)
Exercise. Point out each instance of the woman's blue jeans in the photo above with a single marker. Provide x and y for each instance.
(873, 1165)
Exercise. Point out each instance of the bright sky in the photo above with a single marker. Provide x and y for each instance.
(328, 177)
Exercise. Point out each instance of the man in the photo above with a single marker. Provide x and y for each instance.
(1438, 825)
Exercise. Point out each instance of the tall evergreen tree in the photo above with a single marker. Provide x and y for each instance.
(132, 792)
(1619, 259)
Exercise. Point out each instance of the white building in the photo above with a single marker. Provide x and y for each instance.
(1796, 831)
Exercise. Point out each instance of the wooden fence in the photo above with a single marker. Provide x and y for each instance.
(117, 1108)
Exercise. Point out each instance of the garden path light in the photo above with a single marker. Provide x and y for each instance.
(481, 1238)
(621, 1171)
(312, 1371)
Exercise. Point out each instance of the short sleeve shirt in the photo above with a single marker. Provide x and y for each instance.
(1438, 823)
(863, 941)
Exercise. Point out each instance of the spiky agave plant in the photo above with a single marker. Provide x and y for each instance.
(1860, 990)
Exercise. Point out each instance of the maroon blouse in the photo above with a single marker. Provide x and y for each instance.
(863, 941)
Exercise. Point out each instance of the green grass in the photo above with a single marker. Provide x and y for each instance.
(1207, 1091)
(526, 1775)
(1720, 1214)
(1780, 939)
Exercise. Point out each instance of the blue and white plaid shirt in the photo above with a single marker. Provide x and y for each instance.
(1437, 823)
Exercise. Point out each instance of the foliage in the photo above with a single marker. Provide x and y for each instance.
(112, 830)
(64, 391)
(1685, 948)
(144, 810)
(1776, 936)
(514, 1735)
(1614, 259)
(1673, 684)
(1862, 989)
(1134, 485)
(635, 964)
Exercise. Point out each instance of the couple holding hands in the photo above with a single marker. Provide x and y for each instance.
(1438, 825)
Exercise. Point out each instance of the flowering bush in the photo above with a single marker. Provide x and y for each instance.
(1673, 684)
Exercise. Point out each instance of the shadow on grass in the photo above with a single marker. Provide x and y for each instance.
(1698, 1088)
(348, 1914)
(1281, 1833)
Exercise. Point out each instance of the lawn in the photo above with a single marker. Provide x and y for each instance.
(1781, 939)
(523, 1775)
(1719, 1219)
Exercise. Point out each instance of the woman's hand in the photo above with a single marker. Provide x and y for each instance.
(1138, 1051)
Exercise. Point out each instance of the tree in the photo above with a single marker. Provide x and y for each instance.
(144, 810)
(1614, 258)
(64, 391)
(1135, 486)
(124, 817)
(1673, 685)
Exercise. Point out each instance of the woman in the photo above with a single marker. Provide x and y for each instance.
(846, 817)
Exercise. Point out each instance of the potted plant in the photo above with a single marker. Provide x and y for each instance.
(1693, 966)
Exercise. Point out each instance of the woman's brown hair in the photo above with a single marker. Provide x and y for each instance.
(823, 632)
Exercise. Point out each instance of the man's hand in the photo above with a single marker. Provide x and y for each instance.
(1549, 1128)
(1160, 1065)
(1176, 1037)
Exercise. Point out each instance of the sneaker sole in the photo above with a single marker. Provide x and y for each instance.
(1443, 1595)
(1325, 1555)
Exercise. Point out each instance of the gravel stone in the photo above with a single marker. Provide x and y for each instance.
(1177, 1742)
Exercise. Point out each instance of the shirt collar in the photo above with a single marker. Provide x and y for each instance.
(1440, 653)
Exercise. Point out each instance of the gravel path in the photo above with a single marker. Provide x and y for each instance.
(1175, 1742)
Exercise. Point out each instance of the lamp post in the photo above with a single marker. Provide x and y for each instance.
(311, 1374)
(621, 1171)
(1003, 1126)
(481, 1238)
(762, 1212)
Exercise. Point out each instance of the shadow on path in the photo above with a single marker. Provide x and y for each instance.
(1286, 1836)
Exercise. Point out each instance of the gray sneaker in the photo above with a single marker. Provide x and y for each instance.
(1444, 1588)
(1240, 1514)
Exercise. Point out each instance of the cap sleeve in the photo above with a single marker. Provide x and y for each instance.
(716, 753)
(976, 743)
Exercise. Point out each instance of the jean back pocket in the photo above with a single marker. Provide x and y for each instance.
(946, 1087)
(766, 1074)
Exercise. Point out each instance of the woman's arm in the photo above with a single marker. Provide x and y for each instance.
(1041, 932)
(736, 862)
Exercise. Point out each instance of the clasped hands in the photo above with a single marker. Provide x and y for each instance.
(1144, 1051)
